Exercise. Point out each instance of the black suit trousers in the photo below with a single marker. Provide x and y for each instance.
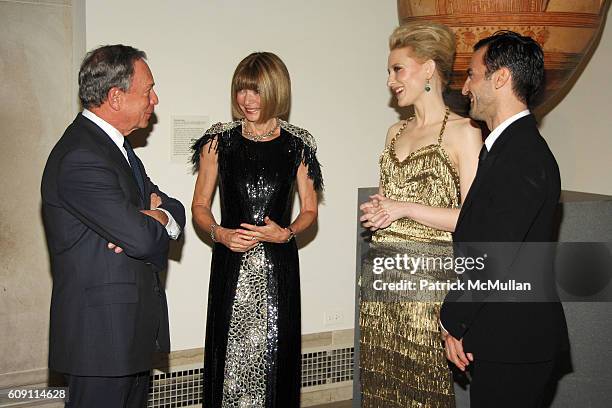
(509, 385)
(129, 391)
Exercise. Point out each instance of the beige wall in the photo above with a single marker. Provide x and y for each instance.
(579, 129)
(336, 55)
(36, 102)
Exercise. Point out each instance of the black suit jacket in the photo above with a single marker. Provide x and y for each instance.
(513, 199)
(108, 311)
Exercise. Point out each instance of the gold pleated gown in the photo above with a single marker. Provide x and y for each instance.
(402, 357)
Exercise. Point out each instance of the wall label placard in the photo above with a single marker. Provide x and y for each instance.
(185, 130)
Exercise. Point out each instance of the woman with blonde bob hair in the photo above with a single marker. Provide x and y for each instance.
(426, 169)
(253, 331)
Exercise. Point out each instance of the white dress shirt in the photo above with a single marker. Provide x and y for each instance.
(172, 228)
(494, 135)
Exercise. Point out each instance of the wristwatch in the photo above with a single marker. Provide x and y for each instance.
(291, 234)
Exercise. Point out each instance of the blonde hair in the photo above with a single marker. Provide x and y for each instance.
(265, 73)
(427, 41)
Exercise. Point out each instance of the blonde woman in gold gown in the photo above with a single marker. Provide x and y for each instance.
(426, 169)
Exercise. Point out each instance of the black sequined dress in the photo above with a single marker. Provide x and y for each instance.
(253, 330)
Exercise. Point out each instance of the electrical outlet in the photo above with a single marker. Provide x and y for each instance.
(332, 318)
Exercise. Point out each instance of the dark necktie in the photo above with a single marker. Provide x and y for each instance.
(483, 166)
(483, 153)
(134, 165)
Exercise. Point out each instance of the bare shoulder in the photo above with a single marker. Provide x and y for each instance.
(393, 131)
(462, 138)
(462, 133)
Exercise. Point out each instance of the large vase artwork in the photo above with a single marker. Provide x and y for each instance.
(566, 30)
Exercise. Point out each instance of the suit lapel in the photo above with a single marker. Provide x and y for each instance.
(113, 152)
(147, 193)
(485, 168)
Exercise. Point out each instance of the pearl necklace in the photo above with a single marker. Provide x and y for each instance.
(255, 137)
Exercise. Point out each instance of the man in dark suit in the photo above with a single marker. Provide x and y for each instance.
(509, 344)
(108, 228)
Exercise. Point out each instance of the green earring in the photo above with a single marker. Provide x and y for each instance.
(427, 86)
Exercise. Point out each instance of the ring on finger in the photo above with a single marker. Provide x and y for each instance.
(253, 238)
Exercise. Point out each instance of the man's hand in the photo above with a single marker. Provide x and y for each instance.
(117, 249)
(158, 215)
(156, 201)
(455, 353)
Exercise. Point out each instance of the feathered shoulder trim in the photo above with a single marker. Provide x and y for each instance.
(309, 152)
(221, 127)
(210, 138)
(303, 134)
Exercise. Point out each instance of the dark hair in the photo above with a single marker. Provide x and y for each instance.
(522, 55)
(104, 68)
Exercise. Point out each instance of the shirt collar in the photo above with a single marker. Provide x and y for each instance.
(113, 133)
(501, 127)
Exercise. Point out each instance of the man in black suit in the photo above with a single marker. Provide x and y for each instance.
(509, 345)
(108, 228)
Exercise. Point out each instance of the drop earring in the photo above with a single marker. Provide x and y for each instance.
(427, 86)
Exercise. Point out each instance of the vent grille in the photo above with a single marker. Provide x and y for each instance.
(327, 367)
(176, 389)
(184, 388)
